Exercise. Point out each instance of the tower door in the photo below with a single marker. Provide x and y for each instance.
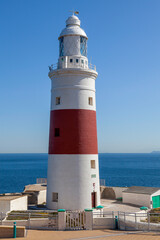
(93, 199)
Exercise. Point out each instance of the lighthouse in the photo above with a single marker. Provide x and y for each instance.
(73, 168)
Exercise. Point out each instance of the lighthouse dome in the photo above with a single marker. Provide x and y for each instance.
(73, 20)
(73, 27)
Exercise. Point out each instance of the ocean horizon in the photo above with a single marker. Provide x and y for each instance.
(118, 169)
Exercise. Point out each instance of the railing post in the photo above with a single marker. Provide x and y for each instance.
(148, 216)
(124, 221)
(1, 218)
(29, 220)
(61, 219)
(118, 220)
(116, 223)
(113, 221)
(14, 230)
(89, 219)
(136, 221)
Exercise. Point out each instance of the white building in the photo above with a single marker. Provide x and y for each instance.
(36, 193)
(73, 169)
(10, 202)
(142, 196)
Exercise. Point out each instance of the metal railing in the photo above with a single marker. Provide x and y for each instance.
(103, 219)
(41, 180)
(139, 221)
(102, 182)
(32, 219)
(76, 220)
(71, 65)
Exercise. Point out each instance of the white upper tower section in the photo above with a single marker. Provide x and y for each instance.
(73, 39)
(72, 47)
(73, 28)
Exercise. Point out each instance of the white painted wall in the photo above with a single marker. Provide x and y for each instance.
(64, 62)
(74, 90)
(41, 198)
(19, 203)
(4, 206)
(137, 199)
(70, 176)
(103, 223)
(156, 193)
(119, 191)
(14, 204)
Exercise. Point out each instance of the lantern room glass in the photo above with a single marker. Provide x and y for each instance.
(61, 47)
(83, 46)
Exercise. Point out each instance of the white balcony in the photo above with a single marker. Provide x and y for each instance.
(72, 62)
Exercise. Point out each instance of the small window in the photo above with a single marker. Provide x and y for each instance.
(93, 176)
(93, 164)
(90, 101)
(62, 59)
(58, 100)
(57, 132)
(76, 60)
(71, 60)
(82, 61)
(54, 197)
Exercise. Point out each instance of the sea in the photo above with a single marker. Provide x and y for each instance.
(18, 170)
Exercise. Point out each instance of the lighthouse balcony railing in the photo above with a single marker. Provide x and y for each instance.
(71, 65)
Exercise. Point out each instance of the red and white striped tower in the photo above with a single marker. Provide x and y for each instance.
(73, 169)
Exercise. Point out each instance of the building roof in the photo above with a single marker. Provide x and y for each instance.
(142, 190)
(35, 188)
(10, 197)
(73, 27)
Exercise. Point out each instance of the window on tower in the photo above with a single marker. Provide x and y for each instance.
(57, 132)
(90, 101)
(58, 100)
(83, 46)
(76, 60)
(93, 164)
(71, 60)
(61, 47)
(54, 197)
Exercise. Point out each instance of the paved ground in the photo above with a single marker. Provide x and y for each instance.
(114, 205)
(89, 235)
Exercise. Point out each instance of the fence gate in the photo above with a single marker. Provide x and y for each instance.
(75, 220)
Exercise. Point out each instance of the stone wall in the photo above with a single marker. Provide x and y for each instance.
(7, 231)
(111, 192)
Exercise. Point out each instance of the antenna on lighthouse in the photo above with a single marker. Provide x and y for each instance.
(74, 12)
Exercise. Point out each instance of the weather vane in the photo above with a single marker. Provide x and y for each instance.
(74, 12)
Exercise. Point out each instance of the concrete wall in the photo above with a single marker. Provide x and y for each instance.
(33, 223)
(142, 226)
(102, 222)
(41, 198)
(137, 199)
(7, 232)
(111, 192)
(4, 206)
(19, 203)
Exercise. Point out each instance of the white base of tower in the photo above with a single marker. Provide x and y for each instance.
(72, 177)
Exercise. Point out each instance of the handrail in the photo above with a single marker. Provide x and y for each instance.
(71, 65)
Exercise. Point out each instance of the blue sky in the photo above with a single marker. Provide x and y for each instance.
(124, 44)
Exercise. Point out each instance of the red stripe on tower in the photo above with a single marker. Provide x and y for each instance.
(73, 131)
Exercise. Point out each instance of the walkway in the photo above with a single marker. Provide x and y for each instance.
(89, 235)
